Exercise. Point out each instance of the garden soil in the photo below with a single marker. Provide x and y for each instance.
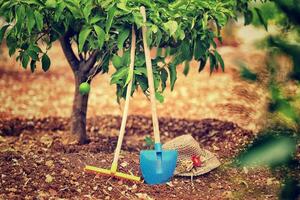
(222, 111)
(35, 164)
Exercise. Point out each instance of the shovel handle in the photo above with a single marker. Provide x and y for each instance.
(150, 78)
(126, 107)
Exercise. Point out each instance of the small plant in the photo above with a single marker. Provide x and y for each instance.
(149, 142)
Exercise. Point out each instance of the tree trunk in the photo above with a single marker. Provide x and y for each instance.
(79, 112)
(82, 69)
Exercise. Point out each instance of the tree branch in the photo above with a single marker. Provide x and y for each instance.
(89, 64)
(68, 51)
(98, 68)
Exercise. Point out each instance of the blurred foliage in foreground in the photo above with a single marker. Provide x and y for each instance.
(278, 144)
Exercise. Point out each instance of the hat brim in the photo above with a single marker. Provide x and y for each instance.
(210, 162)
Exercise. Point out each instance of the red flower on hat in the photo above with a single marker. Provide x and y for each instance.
(196, 161)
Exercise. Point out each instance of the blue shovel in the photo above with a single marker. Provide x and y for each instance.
(157, 165)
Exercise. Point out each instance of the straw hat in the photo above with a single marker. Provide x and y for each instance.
(187, 148)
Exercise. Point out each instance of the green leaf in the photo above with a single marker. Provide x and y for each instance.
(140, 71)
(220, 60)
(74, 8)
(248, 74)
(33, 54)
(201, 46)
(129, 77)
(142, 81)
(186, 68)
(126, 58)
(261, 18)
(186, 50)
(87, 10)
(287, 110)
(164, 78)
(85, 32)
(173, 76)
(268, 150)
(149, 142)
(95, 19)
(149, 37)
(51, 3)
(110, 17)
(30, 20)
(100, 35)
(122, 37)
(45, 62)
(35, 48)
(32, 65)
(290, 189)
(117, 61)
(123, 7)
(171, 27)
(2, 32)
(21, 12)
(202, 63)
(212, 62)
(159, 97)
(156, 79)
(138, 19)
(248, 15)
(140, 61)
(118, 75)
(158, 38)
(59, 11)
(34, 2)
(39, 20)
(25, 60)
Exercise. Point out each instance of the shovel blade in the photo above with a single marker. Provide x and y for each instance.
(158, 166)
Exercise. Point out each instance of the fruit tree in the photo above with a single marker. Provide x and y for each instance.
(94, 32)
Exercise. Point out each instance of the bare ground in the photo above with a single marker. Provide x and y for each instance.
(35, 164)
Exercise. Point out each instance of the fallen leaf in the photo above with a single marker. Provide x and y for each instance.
(52, 192)
(46, 140)
(215, 148)
(2, 139)
(12, 189)
(143, 196)
(65, 172)
(42, 194)
(244, 183)
(95, 188)
(228, 195)
(49, 178)
(124, 164)
(170, 184)
(7, 149)
(213, 185)
(120, 182)
(134, 187)
(49, 163)
(270, 181)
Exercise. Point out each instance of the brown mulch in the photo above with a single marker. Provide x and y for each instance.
(35, 164)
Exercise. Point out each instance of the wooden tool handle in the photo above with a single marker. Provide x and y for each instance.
(150, 79)
(128, 93)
